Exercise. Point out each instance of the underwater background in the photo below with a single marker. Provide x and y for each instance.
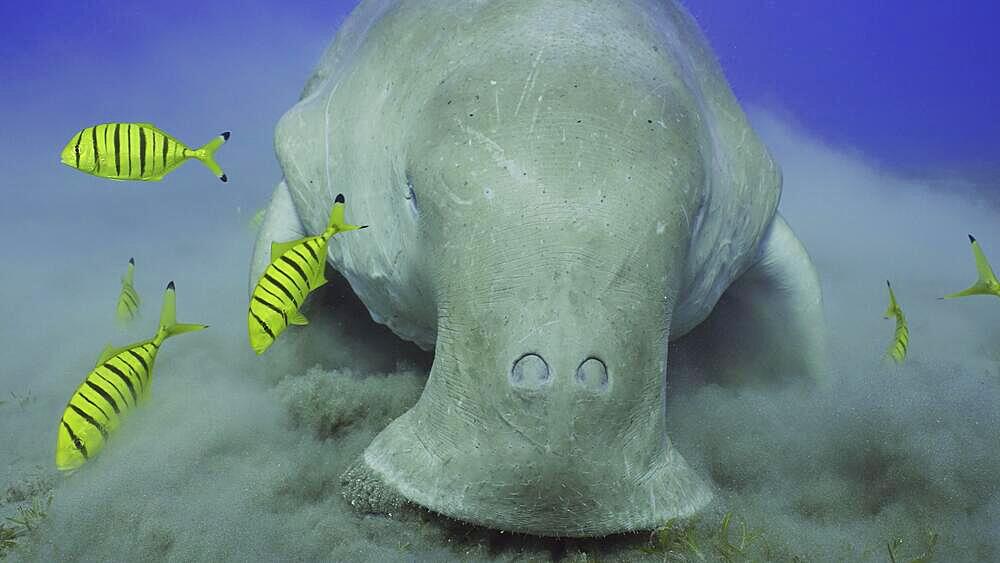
(885, 123)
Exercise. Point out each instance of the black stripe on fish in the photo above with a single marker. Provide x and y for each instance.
(298, 288)
(142, 151)
(118, 142)
(281, 287)
(263, 325)
(142, 360)
(76, 440)
(131, 300)
(305, 260)
(95, 405)
(269, 292)
(128, 382)
(126, 360)
(104, 395)
(79, 138)
(272, 307)
(117, 390)
(129, 149)
(83, 414)
(166, 143)
(290, 262)
(314, 266)
(311, 251)
(97, 156)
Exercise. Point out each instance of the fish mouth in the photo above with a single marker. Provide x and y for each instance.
(68, 158)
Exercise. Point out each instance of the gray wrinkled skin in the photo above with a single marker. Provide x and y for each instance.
(555, 189)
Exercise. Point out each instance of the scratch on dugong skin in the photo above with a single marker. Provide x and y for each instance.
(534, 116)
(496, 98)
(496, 151)
(687, 218)
(536, 329)
(454, 197)
(635, 110)
(529, 82)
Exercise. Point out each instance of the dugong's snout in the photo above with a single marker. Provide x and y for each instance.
(521, 426)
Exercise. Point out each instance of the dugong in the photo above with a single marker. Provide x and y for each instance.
(555, 190)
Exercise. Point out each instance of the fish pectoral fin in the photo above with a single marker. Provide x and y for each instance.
(279, 248)
(297, 318)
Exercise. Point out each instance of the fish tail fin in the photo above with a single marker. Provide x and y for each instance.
(983, 269)
(130, 273)
(168, 320)
(206, 154)
(337, 224)
(986, 281)
(974, 289)
(893, 305)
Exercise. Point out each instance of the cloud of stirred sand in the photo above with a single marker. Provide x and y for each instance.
(239, 457)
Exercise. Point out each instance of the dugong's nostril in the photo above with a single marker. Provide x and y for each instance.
(593, 375)
(530, 372)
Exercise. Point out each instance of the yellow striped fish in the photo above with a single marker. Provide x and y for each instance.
(120, 380)
(134, 151)
(986, 283)
(296, 269)
(897, 351)
(128, 300)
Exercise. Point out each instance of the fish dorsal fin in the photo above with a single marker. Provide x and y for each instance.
(297, 318)
(279, 248)
(110, 351)
(107, 353)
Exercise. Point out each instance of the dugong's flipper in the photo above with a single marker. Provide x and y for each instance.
(769, 324)
(281, 224)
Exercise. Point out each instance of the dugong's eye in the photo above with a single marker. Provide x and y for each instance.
(411, 196)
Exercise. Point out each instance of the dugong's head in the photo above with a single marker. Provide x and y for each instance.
(536, 175)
